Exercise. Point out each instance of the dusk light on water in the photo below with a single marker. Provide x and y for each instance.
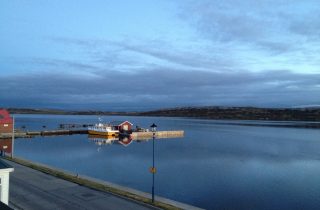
(213, 164)
(160, 104)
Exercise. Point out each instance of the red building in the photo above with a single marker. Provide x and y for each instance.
(6, 146)
(122, 126)
(5, 121)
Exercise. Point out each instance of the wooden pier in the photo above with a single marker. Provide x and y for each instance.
(30, 134)
(158, 134)
(62, 132)
(135, 135)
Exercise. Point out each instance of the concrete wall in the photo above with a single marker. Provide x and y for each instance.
(4, 187)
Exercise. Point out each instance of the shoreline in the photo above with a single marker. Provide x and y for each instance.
(104, 186)
(240, 122)
(210, 113)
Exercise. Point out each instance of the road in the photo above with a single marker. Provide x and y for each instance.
(31, 189)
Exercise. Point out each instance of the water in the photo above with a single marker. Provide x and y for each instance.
(215, 166)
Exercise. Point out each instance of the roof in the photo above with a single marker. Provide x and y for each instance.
(5, 116)
(118, 123)
(4, 206)
(4, 165)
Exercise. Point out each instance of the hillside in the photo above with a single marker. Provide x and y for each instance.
(230, 113)
(63, 112)
(240, 113)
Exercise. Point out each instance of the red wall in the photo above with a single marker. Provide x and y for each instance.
(126, 123)
(5, 121)
(6, 145)
(5, 129)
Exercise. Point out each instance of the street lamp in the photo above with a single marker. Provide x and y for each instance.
(12, 142)
(153, 169)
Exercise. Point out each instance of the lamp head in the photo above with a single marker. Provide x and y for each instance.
(153, 127)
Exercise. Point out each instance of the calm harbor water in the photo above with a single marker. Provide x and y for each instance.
(215, 166)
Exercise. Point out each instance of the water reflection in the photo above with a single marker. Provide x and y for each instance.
(125, 141)
(215, 166)
(108, 140)
(101, 140)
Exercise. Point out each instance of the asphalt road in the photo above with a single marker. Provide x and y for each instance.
(31, 189)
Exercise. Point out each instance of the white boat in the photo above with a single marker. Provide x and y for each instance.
(103, 130)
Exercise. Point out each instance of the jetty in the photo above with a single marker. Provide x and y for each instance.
(112, 129)
(30, 134)
(135, 135)
(158, 134)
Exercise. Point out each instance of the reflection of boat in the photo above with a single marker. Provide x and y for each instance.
(103, 129)
(98, 139)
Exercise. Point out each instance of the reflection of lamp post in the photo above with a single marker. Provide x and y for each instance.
(153, 169)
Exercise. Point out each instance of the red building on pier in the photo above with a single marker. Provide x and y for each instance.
(122, 126)
(5, 121)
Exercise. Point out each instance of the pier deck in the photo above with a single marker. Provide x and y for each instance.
(158, 134)
(135, 135)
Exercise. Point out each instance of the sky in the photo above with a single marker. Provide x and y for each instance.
(122, 55)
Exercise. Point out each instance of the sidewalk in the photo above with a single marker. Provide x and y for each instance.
(31, 189)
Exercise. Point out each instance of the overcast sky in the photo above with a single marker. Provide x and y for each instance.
(146, 54)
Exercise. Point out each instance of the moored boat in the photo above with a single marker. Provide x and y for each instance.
(103, 130)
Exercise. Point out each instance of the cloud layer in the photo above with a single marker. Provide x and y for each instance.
(155, 88)
(233, 53)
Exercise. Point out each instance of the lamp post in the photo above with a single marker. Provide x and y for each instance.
(153, 169)
(12, 142)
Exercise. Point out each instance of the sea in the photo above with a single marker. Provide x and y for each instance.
(216, 165)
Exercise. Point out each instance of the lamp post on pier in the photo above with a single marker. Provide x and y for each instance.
(153, 169)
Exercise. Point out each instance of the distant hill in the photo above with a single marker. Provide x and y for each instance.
(230, 113)
(62, 112)
(240, 113)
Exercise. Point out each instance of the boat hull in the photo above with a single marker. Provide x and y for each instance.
(103, 133)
